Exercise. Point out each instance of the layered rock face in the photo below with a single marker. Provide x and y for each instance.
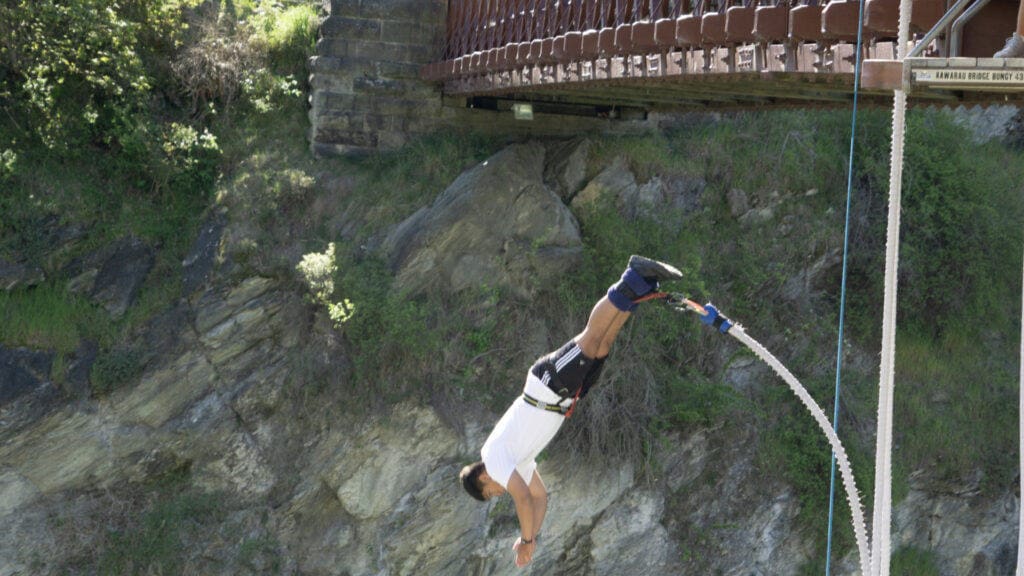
(497, 224)
(223, 395)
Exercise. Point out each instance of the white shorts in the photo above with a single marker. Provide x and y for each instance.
(521, 434)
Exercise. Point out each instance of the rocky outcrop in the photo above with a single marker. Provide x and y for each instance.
(112, 276)
(181, 409)
(26, 390)
(199, 263)
(565, 171)
(497, 225)
(18, 274)
(661, 196)
(973, 532)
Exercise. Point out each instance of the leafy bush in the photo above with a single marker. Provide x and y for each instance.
(8, 160)
(287, 34)
(317, 271)
(958, 210)
(115, 368)
(168, 159)
(72, 69)
(391, 331)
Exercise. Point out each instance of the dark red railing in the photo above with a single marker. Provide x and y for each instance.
(477, 26)
(487, 37)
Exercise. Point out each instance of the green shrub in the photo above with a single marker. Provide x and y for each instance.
(155, 543)
(169, 159)
(910, 561)
(8, 161)
(72, 69)
(288, 34)
(391, 331)
(317, 271)
(115, 368)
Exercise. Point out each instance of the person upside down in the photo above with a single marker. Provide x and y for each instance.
(554, 385)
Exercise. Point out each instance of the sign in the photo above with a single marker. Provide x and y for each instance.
(970, 77)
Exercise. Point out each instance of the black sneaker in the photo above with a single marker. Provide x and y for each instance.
(652, 270)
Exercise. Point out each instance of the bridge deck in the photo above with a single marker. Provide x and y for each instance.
(604, 57)
(745, 77)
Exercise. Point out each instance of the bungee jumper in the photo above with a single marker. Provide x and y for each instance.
(554, 386)
(558, 381)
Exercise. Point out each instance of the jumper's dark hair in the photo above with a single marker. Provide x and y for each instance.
(470, 478)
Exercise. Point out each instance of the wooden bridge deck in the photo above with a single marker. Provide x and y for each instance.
(742, 56)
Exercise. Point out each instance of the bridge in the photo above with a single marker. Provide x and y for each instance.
(622, 58)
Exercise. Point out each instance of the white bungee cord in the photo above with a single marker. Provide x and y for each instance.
(710, 315)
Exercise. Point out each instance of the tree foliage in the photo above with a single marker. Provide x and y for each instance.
(73, 70)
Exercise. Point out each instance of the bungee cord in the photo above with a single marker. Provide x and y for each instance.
(711, 316)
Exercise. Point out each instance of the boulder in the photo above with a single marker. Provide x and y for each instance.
(22, 371)
(969, 533)
(26, 391)
(566, 168)
(659, 197)
(614, 182)
(739, 204)
(630, 534)
(730, 485)
(497, 225)
(79, 369)
(19, 275)
(373, 477)
(112, 276)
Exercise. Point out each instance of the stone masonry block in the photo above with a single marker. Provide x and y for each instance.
(341, 83)
(382, 86)
(351, 28)
(390, 52)
(398, 106)
(334, 100)
(400, 70)
(415, 33)
(331, 49)
(375, 122)
(326, 64)
(355, 137)
(409, 10)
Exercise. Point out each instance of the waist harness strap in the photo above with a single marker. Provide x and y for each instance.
(563, 410)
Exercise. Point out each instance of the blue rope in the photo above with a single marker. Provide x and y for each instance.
(842, 292)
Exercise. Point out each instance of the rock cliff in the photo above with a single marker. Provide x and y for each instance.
(227, 399)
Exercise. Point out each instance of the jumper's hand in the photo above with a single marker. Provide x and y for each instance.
(524, 552)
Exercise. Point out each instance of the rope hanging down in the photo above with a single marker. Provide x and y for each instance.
(842, 287)
(1020, 431)
(710, 315)
(881, 524)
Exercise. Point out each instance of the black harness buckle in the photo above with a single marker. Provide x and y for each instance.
(563, 410)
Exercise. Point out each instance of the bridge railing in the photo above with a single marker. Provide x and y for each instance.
(495, 36)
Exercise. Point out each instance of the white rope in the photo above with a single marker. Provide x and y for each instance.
(852, 497)
(1020, 408)
(881, 522)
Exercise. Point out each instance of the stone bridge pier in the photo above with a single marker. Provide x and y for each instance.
(366, 91)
